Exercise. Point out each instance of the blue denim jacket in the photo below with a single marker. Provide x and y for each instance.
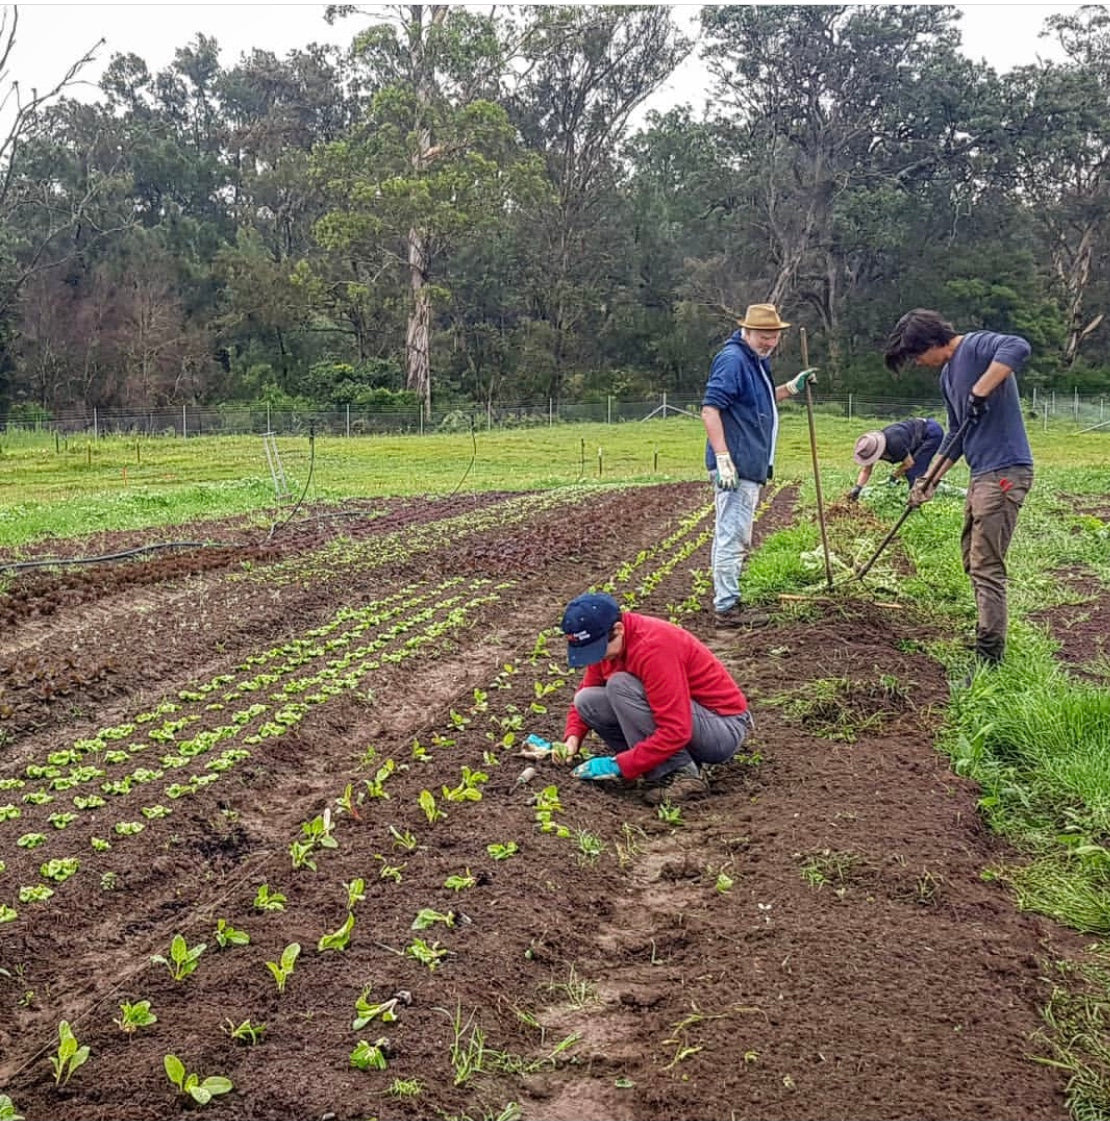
(740, 387)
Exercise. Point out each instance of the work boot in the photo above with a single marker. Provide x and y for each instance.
(684, 785)
(739, 617)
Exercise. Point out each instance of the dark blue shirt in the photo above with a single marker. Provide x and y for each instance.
(998, 440)
(741, 389)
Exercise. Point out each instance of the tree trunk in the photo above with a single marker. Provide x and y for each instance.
(417, 359)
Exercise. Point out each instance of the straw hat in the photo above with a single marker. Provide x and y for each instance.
(869, 448)
(763, 317)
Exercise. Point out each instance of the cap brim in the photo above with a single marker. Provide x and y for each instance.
(587, 653)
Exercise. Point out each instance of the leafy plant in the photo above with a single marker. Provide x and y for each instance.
(672, 815)
(370, 1056)
(246, 1032)
(502, 852)
(356, 892)
(459, 883)
(183, 958)
(37, 893)
(386, 1010)
(338, 939)
(428, 805)
(398, 1088)
(61, 869)
(135, 1016)
(69, 1055)
(201, 1092)
(226, 935)
(31, 840)
(267, 900)
(426, 917)
(402, 840)
(7, 1109)
(7, 914)
(429, 955)
(283, 970)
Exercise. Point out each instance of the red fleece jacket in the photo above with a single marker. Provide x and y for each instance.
(675, 669)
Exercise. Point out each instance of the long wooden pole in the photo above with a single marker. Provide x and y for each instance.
(816, 468)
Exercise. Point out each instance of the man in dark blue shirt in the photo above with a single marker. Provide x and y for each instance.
(978, 383)
(911, 444)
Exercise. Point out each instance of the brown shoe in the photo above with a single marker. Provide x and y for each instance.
(740, 618)
(682, 786)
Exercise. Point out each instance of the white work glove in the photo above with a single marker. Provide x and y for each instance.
(799, 381)
(726, 472)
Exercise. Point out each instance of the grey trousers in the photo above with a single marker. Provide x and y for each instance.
(620, 714)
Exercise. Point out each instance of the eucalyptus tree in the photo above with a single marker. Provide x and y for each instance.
(433, 162)
(586, 69)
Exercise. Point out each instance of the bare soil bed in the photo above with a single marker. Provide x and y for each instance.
(815, 940)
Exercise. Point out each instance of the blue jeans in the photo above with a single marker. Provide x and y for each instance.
(732, 539)
(924, 454)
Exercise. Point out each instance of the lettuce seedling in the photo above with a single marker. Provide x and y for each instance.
(7, 914)
(458, 883)
(425, 954)
(356, 892)
(402, 840)
(370, 1056)
(60, 870)
(267, 900)
(183, 958)
(226, 935)
(31, 840)
(428, 805)
(7, 1109)
(129, 828)
(365, 1011)
(426, 917)
(39, 893)
(201, 1092)
(135, 1016)
(10, 812)
(69, 1057)
(502, 852)
(246, 1032)
(338, 939)
(283, 970)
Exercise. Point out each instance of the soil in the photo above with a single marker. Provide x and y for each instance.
(813, 940)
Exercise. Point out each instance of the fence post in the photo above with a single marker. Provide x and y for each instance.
(348, 422)
(1034, 398)
(664, 412)
(1075, 407)
(269, 428)
(849, 406)
(1054, 402)
(184, 424)
(1046, 414)
(96, 425)
(609, 409)
(550, 412)
(489, 415)
(1101, 406)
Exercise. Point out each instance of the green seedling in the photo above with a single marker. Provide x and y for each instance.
(370, 1056)
(405, 840)
(201, 1092)
(10, 812)
(460, 883)
(246, 1032)
(375, 787)
(426, 917)
(398, 1088)
(69, 1056)
(356, 892)
(348, 803)
(99, 844)
(672, 815)
(467, 790)
(109, 881)
(226, 935)
(338, 939)
(386, 1011)
(61, 869)
(590, 845)
(283, 970)
(724, 882)
(428, 805)
(31, 840)
(7, 1109)
(425, 954)
(267, 900)
(135, 1016)
(502, 852)
(38, 893)
(7, 914)
(183, 959)
(129, 828)
(301, 852)
(389, 871)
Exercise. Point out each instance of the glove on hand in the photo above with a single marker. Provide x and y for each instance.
(799, 381)
(597, 769)
(921, 492)
(854, 493)
(976, 406)
(726, 472)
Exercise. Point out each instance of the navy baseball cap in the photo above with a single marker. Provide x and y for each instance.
(586, 623)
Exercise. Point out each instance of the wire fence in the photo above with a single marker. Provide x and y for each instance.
(1048, 409)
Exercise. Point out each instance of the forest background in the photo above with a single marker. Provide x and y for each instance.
(458, 206)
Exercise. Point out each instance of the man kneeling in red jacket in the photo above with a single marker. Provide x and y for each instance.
(660, 700)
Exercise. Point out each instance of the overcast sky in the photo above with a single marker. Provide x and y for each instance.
(51, 36)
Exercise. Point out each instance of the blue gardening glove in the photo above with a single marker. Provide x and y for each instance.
(854, 493)
(799, 381)
(598, 769)
(726, 472)
(976, 406)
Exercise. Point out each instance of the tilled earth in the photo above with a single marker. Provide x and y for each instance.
(813, 940)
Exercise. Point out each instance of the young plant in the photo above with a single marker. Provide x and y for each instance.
(183, 958)
(402, 840)
(460, 883)
(426, 917)
(267, 900)
(405, 1088)
(502, 852)
(246, 1032)
(70, 1055)
(60, 870)
(370, 1056)
(338, 939)
(428, 805)
(348, 803)
(672, 815)
(283, 970)
(425, 954)
(35, 893)
(356, 892)
(226, 935)
(135, 1016)
(365, 1011)
(8, 1111)
(375, 787)
(201, 1092)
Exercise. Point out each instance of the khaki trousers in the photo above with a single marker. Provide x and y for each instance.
(990, 514)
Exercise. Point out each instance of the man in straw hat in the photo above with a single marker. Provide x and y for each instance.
(911, 444)
(742, 423)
